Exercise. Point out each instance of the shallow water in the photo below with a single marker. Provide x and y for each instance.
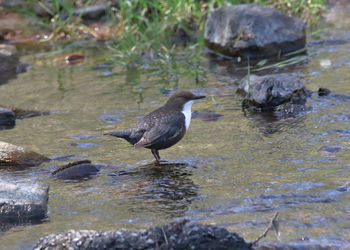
(236, 172)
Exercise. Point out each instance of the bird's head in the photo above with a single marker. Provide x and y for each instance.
(180, 98)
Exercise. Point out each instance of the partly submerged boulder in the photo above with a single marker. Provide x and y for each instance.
(177, 235)
(22, 199)
(269, 91)
(253, 31)
(12, 155)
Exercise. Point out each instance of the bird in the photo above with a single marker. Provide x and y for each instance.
(163, 127)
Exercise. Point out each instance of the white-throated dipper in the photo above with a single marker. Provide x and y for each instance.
(163, 127)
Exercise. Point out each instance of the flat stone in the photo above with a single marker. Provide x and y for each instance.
(253, 31)
(12, 155)
(22, 199)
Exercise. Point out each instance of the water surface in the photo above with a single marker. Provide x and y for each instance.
(236, 172)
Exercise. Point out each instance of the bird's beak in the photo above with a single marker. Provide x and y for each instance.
(199, 97)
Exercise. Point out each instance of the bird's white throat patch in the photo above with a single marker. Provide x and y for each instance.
(186, 110)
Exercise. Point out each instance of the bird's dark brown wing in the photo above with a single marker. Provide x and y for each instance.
(167, 127)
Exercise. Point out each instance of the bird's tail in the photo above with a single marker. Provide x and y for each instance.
(125, 134)
(120, 134)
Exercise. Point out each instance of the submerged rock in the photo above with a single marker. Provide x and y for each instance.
(253, 31)
(76, 170)
(22, 200)
(267, 92)
(177, 235)
(12, 155)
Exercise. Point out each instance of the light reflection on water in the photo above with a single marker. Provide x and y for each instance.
(238, 170)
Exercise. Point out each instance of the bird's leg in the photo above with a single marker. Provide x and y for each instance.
(156, 155)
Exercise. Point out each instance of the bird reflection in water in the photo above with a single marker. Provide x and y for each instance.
(165, 189)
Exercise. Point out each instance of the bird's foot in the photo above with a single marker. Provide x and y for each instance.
(160, 162)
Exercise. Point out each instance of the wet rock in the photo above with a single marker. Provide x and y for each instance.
(7, 118)
(12, 155)
(8, 57)
(22, 199)
(253, 31)
(24, 113)
(206, 115)
(8, 115)
(177, 235)
(76, 170)
(8, 62)
(323, 92)
(269, 91)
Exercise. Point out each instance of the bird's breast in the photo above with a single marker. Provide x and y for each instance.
(186, 110)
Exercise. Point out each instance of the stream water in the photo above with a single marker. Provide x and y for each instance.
(238, 170)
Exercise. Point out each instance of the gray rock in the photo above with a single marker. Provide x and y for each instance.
(177, 235)
(269, 91)
(7, 117)
(253, 31)
(12, 155)
(22, 199)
